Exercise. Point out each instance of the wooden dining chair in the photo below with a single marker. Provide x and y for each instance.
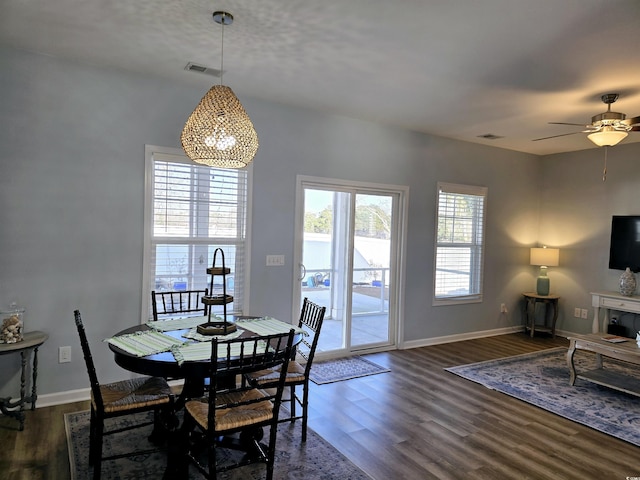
(173, 303)
(311, 318)
(121, 398)
(239, 409)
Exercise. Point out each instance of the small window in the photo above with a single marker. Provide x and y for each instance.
(459, 244)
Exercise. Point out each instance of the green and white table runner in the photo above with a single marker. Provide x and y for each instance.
(146, 343)
(154, 341)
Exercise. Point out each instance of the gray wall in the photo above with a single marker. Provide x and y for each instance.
(71, 206)
(576, 210)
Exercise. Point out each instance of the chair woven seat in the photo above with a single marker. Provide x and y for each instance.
(295, 374)
(235, 417)
(134, 393)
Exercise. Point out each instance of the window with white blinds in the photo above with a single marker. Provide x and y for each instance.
(190, 210)
(459, 243)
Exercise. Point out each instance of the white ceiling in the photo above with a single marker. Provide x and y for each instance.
(453, 68)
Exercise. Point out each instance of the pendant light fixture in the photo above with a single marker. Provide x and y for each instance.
(219, 133)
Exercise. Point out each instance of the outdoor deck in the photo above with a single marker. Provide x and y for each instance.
(369, 323)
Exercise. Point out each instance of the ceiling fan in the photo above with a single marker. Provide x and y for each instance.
(606, 129)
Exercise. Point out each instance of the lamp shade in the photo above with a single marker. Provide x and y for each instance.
(549, 257)
(219, 133)
(607, 137)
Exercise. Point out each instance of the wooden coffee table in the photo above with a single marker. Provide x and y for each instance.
(627, 351)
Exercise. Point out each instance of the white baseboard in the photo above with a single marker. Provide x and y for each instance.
(425, 342)
(565, 334)
(58, 398)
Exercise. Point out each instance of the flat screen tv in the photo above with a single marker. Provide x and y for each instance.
(625, 243)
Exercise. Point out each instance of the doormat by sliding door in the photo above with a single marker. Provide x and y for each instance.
(343, 369)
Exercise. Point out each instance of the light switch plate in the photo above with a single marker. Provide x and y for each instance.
(275, 260)
(64, 354)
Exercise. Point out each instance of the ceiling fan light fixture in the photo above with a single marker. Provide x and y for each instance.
(607, 137)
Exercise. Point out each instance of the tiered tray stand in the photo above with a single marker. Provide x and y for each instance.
(216, 327)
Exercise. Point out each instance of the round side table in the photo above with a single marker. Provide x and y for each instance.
(531, 300)
(30, 343)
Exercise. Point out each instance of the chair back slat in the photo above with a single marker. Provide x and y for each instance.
(178, 301)
(88, 359)
(311, 319)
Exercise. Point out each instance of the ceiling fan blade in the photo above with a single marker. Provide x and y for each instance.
(574, 124)
(554, 136)
(635, 121)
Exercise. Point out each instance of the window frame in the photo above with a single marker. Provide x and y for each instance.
(477, 245)
(153, 153)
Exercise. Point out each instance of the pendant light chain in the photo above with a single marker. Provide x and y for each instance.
(222, 50)
(604, 172)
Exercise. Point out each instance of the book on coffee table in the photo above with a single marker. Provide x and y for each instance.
(614, 339)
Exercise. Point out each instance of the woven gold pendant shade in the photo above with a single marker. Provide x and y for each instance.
(219, 133)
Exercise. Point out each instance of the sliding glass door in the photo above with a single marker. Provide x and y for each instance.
(371, 272)
(348, 250)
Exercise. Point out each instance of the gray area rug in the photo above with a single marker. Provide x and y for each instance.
(316, 459)
(542, 379)
(343, 369)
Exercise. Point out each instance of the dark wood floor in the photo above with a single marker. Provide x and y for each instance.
(39, 452)
(418, 422)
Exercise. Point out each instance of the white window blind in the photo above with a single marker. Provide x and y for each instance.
(459, 243)
(190, 211)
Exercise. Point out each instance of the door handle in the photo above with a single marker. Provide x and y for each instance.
(303, 270)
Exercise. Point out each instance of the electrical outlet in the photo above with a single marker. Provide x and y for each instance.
(576, 312)
(275, 260)
(503, 308)
(583, 313)
(64, 354)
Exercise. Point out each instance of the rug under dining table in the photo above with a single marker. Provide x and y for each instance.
(315, 459)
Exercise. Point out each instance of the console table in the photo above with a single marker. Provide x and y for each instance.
(608, 300)
(531, 300)
(30, 343)
(626, 351)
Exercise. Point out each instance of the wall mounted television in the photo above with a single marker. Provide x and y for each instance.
(625, 243)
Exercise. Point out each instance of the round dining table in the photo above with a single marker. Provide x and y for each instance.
(165, 365)
(195, 375)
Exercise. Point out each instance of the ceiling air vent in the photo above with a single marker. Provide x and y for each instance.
(194, 67)
(489, 136)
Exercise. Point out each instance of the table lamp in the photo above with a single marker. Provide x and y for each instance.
(544, 257)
